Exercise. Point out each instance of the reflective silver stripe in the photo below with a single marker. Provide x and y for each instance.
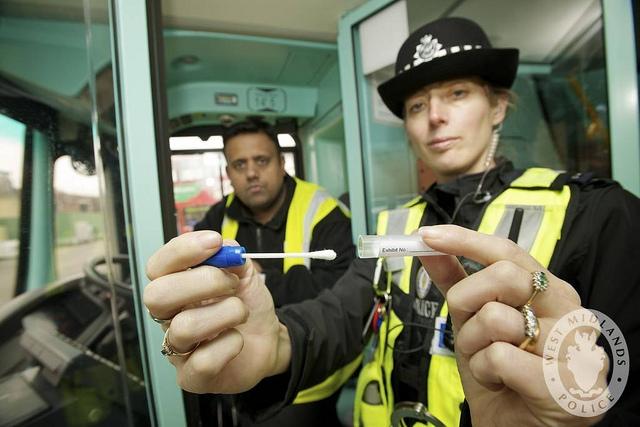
(396, 223)
(531, 222)
(345, 208)
(318, 198)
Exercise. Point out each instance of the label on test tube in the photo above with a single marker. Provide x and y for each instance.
(393, 246)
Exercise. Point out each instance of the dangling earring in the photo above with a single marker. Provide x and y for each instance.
(484, 196)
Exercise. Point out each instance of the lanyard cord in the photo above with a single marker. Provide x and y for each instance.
(480, 196)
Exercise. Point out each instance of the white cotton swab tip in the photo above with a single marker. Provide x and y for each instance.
(327, 254)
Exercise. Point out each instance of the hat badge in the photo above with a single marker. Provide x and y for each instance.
(426, 50)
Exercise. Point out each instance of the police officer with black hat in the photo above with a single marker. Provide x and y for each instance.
(450, 340)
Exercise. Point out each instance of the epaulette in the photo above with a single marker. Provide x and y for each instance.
(581, 179)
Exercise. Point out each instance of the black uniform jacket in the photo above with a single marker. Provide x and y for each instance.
(299, 283)
(599, 254)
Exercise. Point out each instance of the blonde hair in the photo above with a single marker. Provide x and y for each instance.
(495, 93)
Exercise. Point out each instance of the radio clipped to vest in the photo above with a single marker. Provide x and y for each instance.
(381, 302)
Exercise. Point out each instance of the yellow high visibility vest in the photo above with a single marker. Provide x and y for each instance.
(542, 212)
(309, 205)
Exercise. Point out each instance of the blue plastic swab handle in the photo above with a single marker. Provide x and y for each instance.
(227, 256)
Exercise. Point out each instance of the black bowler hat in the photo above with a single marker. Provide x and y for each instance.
(444, 49)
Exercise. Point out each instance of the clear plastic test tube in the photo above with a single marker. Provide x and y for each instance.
(371, 246)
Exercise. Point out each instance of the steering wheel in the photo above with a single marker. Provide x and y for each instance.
(94, 275)
(53, 337)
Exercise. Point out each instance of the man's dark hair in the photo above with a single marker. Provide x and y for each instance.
(249, 127)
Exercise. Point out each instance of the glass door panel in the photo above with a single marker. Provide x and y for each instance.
(68, 339)
(12, 141)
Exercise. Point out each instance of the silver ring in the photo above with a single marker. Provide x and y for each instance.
(157, 320)
(169, 350)
(531, 327)
(539, 283)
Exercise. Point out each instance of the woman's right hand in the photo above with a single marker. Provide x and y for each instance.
(227, 313)
(504, 384)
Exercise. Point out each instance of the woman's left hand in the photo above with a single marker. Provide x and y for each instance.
(503, 384)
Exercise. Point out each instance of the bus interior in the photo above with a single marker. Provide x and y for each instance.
(111, 114)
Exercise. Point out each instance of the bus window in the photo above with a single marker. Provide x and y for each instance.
(573, 97)
(289, 162)
(12, 135)
(79, 234)
(199, 181)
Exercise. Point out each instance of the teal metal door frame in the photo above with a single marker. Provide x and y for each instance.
(350, 105)
(622, 88)
(143, 210)
(41, 242)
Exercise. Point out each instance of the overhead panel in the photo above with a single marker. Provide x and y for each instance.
(306, 67)
(241, 99)
(50, 43)
(191, 57)
(209, 74)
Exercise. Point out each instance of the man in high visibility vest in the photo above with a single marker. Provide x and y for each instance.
(270, 211)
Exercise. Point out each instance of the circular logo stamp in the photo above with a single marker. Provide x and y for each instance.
(575, 367)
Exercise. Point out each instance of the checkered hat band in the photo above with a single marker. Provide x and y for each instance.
(440, 53)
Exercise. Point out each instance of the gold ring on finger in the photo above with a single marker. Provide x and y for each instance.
(539, 283)
(531, 327)
(169, 350)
